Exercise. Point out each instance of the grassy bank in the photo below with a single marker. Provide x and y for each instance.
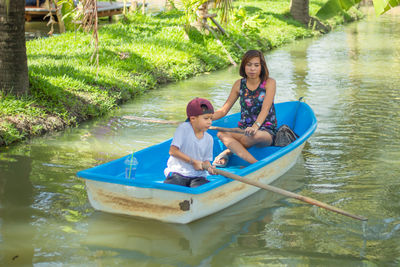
(135, 55)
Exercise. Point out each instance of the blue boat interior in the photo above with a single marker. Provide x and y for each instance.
(153, 160)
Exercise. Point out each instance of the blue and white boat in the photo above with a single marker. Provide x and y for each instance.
(147, 196)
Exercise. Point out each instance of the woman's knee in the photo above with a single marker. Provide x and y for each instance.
(223, 135)
(249, 141)
(264, 140)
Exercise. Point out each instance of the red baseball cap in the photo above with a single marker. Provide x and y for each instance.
(194, 107)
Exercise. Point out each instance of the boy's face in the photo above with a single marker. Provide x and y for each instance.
(201, 122)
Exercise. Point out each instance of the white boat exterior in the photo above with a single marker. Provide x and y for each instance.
(178, 207)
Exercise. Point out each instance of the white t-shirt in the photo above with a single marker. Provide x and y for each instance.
(188, 143)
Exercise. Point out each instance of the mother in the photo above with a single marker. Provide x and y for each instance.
(256, 91)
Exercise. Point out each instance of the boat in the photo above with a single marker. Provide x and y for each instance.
(147, 196)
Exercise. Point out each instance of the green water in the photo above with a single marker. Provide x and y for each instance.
(350, 77)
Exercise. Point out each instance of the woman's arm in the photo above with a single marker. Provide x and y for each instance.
(233, 96)
(270, 89)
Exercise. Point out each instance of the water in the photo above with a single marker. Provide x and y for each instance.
(350, 78)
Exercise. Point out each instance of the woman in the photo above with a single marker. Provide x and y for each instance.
(256, 91)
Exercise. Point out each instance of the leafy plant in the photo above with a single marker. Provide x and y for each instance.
(190, 8)
(248, 26)
(67, 10)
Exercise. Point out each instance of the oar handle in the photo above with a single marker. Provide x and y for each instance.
(151, 120)
(223, 129)
(289, 194)
(136, 118)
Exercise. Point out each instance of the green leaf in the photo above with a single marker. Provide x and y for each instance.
(335, 7)
(381, 6)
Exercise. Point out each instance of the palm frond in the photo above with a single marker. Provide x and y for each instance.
(226, 7)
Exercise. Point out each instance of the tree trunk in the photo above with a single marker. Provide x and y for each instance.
(299, 9)
(13, 60)
(61, 24)
(202, 13)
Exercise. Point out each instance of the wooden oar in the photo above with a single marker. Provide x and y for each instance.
(223, 129)
(151, 120)
(136, 118)
(289, 194)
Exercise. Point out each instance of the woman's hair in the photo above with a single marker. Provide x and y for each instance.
(250, 55)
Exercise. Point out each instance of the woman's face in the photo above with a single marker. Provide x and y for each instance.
(253, 68)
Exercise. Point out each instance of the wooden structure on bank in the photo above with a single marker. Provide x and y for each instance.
(104, 9)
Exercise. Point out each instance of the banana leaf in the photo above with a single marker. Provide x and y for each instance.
(381, 6)
(334, 7)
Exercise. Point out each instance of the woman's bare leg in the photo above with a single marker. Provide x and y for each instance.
(239, 143)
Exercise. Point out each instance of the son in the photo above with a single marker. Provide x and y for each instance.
(192, 147)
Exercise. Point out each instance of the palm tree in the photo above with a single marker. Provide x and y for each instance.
(13, 61)
(299, 9)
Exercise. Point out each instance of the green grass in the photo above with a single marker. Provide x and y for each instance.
(135, 55)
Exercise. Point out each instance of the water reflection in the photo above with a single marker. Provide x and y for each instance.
(16, 199)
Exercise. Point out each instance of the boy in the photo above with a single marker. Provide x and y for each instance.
(192, 147)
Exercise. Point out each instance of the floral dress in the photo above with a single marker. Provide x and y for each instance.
(251, 104)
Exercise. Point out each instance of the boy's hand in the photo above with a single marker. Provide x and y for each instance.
(212, 170)
(197, 165)
(207, 166)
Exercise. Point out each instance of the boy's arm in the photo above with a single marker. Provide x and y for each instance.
(174, 151)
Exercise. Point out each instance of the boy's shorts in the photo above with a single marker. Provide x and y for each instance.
(176, 178)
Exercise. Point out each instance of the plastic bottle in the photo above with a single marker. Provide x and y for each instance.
(131, 164)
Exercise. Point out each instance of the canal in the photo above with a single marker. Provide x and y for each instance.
(350, 77)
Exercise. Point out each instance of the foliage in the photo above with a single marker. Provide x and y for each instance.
(190, 8)
(249, 25)
(333, 7)
(67, 9)
(382, 6)
(224, 7)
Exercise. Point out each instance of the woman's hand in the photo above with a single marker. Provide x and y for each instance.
(250, 131)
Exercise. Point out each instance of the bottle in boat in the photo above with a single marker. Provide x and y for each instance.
(131, 164)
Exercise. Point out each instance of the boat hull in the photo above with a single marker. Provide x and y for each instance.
(179, 207)
(147, 196)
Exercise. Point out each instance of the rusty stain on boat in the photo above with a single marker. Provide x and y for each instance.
(184, 205)
(132, 204)
(225, 193)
